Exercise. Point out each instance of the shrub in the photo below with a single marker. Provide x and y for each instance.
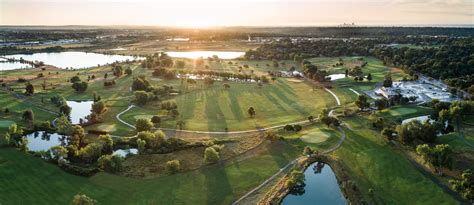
(110, 163)
(82, 199)
(173, 166)
(211, 155)
(143, 125)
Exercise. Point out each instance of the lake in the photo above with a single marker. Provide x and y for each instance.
(321, 187)
(337, 76)
(73, 59)
(5, 65)
(422, 119)
(80, 110)
(205, 54)
(42, 141)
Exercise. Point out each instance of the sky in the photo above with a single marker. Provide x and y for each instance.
(204, 13)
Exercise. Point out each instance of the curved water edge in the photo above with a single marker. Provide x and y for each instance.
(79, 110)
(70, 59)
(346, 186)
(321, 187)
(42, 141)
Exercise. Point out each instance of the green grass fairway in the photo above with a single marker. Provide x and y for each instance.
(375, 164)
(404, 112)
(315, 137)
(38, 182)
(5, 123)
(217, 108)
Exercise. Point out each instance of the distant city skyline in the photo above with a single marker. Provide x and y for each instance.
(188, 13)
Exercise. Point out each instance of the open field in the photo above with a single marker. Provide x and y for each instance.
(374, 164)
(218, 184)
(216, 108)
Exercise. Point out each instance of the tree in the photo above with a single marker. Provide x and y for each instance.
(270, 135)
(465, 185)
(140, 83)
(153, 140)
(58, 152)
(381, 103)
(29, 89)
(143, 124)
(80, 86)
(173, 166)
(369, 77)
(28, 115)
(211, 155)
(387, 82)
(288, 128)
(107, 143)
(310, 118)
(75, 79)
(226, 86)
(295, 180)
(91, 152)
(307, 150)
(251, 111)
(156, 119)
(110, 163)
(438, 156)
(65, 110)
(141, 146)
(141, 97)
(24, 145)
(388, 133)
(362, 102)
(98, 107)
(82, 199)
(128, 71)
(117, 71)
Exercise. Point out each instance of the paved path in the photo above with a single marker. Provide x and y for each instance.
(354, 91)
(334, 95)
(213, 133)
(121, 113)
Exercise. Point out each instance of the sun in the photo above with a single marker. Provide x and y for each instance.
(198, 22)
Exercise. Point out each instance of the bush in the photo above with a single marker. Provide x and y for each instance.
(82, 199)
(173, 166)
(28, 115)
(211, 155)
(110, 163)
(141, 97)
(143, 125)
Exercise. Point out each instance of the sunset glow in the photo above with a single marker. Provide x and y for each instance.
(187, 13)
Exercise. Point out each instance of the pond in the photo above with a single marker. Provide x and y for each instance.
(337, 76)
(321, 187)
(5, 65)
(125, 152)
(73, 59)
(80, 110)
(205, 54)
(419, 118)
(42, 141)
